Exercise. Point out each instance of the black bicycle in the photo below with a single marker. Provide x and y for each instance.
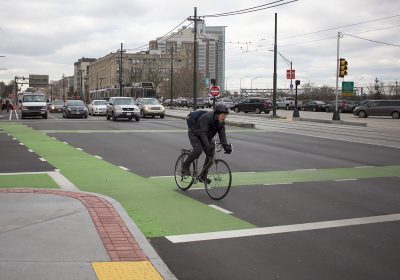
(218, 179)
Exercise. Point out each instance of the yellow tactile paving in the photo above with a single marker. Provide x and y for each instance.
(143, 270)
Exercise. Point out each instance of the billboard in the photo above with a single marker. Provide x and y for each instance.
(38, 81)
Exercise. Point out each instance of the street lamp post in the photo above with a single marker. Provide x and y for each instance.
(240, 85)
(82, 91)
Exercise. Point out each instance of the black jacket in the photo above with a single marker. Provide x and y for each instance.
(206, 127)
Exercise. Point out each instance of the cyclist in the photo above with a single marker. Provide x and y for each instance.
(200, 135)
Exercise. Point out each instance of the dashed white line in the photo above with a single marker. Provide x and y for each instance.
(80, 149)
(42, 159)
(31, 151)
(366, 166)
(220, 209)
(65, 142)
(273, 184)
(124, 168)
(281, 229)
(344, 180)
(22, 144)
(99, 157)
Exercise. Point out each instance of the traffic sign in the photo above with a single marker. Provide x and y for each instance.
(214, 91)
(347, 88)
(290, 76)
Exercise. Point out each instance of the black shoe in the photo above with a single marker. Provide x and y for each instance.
(201, 179)
(185, 172)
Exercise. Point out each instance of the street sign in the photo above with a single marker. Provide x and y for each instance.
(214, 91)
(347, 88)
(38, 81)
(292, 76)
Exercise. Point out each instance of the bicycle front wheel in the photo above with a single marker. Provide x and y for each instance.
(219, 179)
(183, 182)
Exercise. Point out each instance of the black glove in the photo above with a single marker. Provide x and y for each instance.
(209, 150)
(227, 148)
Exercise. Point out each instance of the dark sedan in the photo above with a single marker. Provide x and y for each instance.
(314, 106)
(257, 105)
(74, 108)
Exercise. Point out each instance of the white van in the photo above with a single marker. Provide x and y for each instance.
(34, 104)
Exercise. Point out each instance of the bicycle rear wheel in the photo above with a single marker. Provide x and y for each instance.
(183, 182)
(219, 179)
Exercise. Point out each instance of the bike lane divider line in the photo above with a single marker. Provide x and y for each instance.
(283, 229)
(220, 209)
(158, 210)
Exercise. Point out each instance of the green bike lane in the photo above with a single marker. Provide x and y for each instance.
(154, 203)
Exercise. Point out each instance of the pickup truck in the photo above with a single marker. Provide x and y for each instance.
(287, 103)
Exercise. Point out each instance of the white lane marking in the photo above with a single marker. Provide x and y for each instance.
(62, 181)
(31, 151)
(366, 166)
(344, 180)
(155, 177)
(42, 159)
(22, 144)
(54, 138)
(99, 157)
(14, 138)
(65, 142)
(124, 168)
(281, 229)
(309, 169)
(273, 184)
(80, 149)
(220, 209)
(58, 170)
(10, 116)
(16, 115)
(24, 173)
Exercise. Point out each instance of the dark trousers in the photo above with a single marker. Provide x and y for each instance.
(197, 145)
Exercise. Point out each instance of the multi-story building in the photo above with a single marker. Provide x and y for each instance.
(211, 49)
(136, 67)
(81, 71)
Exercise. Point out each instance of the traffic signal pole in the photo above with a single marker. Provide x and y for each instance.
(336, 116)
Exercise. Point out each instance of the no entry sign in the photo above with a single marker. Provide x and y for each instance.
(214, 91)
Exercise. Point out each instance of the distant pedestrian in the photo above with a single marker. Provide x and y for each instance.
(8, 105)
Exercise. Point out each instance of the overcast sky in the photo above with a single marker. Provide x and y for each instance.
(47, 36)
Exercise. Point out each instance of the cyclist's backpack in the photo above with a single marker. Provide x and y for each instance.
(193, 117)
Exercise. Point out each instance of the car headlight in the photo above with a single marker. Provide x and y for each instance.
(52, 107)
(162, 108)
(146, 108)
(44, 108)
(85, 109)
(118, 108)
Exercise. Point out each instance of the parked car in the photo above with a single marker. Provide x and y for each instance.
(314, 105)
(122, 107)
(181, 102)
(97, 107)
(343, 106)
(56, 106)
(74, 108)
(288, 103)
(167, 102)
(208, 101)
(199, 103)
(150, 107)
(227, 101)
(379, 108)
(257, 105)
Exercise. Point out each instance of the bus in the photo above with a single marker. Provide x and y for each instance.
(143, 89)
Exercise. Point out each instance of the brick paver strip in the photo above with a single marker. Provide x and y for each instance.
(117, 239)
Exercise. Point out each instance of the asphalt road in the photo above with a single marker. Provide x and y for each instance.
(368, 248)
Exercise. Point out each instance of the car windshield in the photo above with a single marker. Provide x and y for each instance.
(123, 101)
(100, 102)
(33, 98)
(75, 103)
(58, 102)
(151, 102)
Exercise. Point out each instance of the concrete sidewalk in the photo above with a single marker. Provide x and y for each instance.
(56, 234)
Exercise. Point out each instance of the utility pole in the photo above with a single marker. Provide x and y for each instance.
(275, 75)
(194, 59)
(120, 72)
(64, 95)
(336, 116)
(172, 74)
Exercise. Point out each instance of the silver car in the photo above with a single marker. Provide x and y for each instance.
(97, 107)
(150, 107)
(379, 108)
(122, 107)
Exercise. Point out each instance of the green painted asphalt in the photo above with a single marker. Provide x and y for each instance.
(157, 210)
(85, 131)
(43, 181)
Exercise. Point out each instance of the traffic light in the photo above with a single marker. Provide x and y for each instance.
(213, 82)
(342, 67)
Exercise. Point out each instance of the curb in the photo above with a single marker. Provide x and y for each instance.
(330, 121)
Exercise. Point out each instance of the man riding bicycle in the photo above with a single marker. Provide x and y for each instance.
(201, 133)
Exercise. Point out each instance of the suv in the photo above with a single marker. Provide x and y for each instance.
(257, 105)
(208, 101)
(150, 107)
(379, 108)
(34, 104)
(122, 107)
